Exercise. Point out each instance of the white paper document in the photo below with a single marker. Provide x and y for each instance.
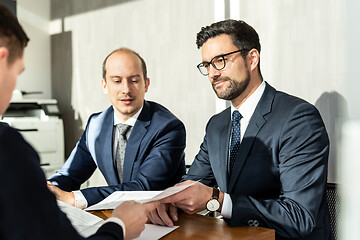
(86, 224)
(116, 198)
(152, 232)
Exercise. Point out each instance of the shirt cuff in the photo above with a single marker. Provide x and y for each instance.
(80, 200)
(117, 221)
(226, 210)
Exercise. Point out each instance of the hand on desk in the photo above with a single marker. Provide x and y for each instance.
(165, 214)
(66, 197)
(134, 215)
(191, 200)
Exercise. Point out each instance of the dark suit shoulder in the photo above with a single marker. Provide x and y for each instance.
(289, 99)
(160, 112)
(220, 118)
(6, 129)
(289, 103)
(12, 140)
(106, 112)
(12, 149)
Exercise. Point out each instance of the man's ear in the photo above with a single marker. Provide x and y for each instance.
(104, 86)
(254, 58)
(147, 83)
(4, 53)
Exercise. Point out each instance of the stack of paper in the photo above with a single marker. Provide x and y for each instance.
(87, 224)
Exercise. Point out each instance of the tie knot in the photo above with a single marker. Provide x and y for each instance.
(123, 128)
(237, 116)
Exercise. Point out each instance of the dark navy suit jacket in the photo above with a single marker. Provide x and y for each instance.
(154, 156)
(28, 210)
(280, 174)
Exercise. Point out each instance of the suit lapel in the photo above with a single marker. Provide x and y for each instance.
(255, 124)
(225, 131)
(104, 148)
(134, 141)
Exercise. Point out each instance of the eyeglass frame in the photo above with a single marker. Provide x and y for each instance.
(218, 56)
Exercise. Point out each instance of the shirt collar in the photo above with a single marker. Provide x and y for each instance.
(131, 121)
(248, 107)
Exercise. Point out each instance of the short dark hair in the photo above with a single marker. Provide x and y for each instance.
(123, 49)
(242, 34)
(12, 36)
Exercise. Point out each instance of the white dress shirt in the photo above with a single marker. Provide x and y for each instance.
(246, 110)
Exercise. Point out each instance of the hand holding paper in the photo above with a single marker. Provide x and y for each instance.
(116, 198)
(191, 199)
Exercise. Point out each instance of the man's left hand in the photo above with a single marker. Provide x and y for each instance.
(66, 197)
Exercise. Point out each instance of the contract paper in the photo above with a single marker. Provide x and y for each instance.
(86, 224)
(152, 232)
(116, 198)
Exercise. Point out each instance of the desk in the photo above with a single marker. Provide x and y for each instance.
(202, 227)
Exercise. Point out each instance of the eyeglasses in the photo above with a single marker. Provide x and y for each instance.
(218, 62)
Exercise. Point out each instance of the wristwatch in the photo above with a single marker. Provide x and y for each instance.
(213, 204)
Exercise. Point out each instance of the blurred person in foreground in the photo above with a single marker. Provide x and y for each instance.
(28, 210)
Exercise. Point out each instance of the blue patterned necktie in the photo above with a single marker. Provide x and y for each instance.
(235, 138)
(120, 151)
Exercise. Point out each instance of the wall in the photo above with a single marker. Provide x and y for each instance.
(349, 169)
(34, 16)
(303, 53)
(163, 32)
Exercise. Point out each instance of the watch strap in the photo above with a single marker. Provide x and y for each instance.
(216, 193)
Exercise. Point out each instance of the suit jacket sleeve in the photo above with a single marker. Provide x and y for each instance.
(302, 165)
(28, 209)
(160, 166)
(201, 168)
(78, 168)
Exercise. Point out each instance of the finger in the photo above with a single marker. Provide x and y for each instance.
(52, 188)
(163, 215)
(155, 219)
(173, 212)
(151, 205)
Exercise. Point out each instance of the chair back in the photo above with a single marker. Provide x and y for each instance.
(333, 200)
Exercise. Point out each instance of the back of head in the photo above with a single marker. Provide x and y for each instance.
(12, 36)
(242, 34)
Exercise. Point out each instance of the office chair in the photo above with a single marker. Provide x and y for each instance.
(333, 199)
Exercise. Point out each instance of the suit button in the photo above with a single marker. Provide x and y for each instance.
(251, 223)
(256, 223)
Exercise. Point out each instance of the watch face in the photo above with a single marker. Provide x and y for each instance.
(213, 205)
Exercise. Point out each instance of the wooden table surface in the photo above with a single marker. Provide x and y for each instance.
(203, 227)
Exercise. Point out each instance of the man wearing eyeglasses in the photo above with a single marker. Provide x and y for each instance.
(263, 161)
